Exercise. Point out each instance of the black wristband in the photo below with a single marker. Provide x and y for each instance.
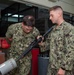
(62, 68)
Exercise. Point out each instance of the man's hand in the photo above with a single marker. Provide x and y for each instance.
(61, 72)
(40, 43)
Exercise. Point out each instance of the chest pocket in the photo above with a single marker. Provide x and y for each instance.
(59, 40)
(59, 37)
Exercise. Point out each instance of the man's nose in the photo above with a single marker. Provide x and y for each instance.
(50, 17)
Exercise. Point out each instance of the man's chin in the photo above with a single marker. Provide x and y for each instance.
(54, 23)
(27, 32)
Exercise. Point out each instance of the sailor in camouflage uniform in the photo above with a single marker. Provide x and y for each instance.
(60, 42)
(21, 35)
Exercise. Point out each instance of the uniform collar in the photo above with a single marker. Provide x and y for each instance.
(60, 26)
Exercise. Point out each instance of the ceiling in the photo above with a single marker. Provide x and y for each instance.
(5, 3)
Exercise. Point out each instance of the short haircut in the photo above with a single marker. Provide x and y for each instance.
(55, 8)
(29, 21)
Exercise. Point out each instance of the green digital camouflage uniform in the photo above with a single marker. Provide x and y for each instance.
(60, 42)
(20, 41)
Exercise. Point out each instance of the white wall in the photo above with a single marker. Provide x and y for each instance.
(67, 5)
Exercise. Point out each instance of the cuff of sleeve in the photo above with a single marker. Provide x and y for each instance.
(66, 67)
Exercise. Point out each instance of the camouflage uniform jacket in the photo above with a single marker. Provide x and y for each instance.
(60, 42)
(20, 41)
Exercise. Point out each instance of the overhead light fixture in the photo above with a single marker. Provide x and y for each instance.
(16, 15)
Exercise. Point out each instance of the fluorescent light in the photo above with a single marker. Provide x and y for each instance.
(9, 14)
(16, 15)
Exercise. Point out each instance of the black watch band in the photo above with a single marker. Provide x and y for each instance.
(62, 68)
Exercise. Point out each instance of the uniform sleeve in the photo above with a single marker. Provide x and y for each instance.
(9, 32)
(36, 32)
(68, 61)
(46, 44)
